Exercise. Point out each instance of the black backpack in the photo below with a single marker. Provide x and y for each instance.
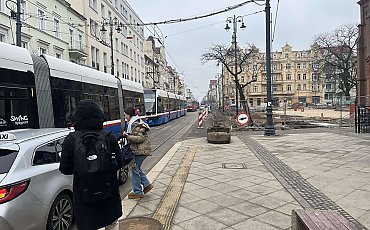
(94, 165)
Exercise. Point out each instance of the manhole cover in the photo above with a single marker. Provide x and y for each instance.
(233, 166)
(142, 223)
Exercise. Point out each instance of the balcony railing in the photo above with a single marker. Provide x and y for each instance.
(77, 50)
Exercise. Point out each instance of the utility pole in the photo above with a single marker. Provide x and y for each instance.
(18, 24)
(269, 128)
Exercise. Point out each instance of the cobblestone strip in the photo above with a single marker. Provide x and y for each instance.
(306, 194)
(167, 207)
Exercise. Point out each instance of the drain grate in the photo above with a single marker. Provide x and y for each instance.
(233, 166)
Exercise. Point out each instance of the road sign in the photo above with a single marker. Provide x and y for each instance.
(243, 118)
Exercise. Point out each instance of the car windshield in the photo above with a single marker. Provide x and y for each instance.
(7, 158)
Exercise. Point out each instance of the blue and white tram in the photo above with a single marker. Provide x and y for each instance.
(43, 91)
(162, 106)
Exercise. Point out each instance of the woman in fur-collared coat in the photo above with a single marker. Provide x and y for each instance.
(137, 136)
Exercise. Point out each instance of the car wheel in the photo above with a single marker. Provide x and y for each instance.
(123, 175)
(61, 214)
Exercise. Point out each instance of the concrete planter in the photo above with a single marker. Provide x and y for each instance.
(218, 135)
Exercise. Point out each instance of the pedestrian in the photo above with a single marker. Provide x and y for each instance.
(137, 136)
(92, 156)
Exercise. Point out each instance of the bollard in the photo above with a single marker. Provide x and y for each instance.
(200, 120)
(205, 113)
(322, 115)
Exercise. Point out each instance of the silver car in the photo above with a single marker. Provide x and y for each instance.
(33, 193)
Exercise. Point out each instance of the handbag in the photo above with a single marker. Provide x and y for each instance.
(127, 154)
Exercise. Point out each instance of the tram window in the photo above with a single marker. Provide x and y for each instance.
(113, 108)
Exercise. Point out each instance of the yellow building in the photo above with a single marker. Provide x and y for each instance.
(295, 75)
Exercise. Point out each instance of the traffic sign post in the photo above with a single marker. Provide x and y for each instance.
(242, 118)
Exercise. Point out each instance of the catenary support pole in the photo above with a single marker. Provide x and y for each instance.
(269, 128)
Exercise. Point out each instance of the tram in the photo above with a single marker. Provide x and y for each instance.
(192, 105)
(43, 91)
(162, 107)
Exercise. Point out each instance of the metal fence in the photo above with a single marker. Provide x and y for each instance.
(362, 119)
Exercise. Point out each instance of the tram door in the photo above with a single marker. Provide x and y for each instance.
(16, 109)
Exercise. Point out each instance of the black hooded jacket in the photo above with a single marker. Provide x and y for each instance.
(89, 117)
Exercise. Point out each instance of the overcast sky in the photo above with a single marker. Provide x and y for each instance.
(298, 21)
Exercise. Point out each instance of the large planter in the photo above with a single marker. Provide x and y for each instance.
(218, 135)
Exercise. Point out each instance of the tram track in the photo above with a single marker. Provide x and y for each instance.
(170, 129)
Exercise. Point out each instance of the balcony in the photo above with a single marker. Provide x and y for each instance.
(77, 51)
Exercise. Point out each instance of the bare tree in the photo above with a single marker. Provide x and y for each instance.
(338, 56)
(226, 55)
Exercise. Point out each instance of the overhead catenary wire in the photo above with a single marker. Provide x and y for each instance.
(276, 16)
(179, 20)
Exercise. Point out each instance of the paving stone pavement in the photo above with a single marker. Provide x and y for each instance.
(248, 195)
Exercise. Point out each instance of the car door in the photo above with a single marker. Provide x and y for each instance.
(48, 182)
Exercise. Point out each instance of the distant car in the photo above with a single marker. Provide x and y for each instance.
(201, 107)
(34, 194)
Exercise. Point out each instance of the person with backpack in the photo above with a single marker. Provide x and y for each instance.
(137, 136)
(92, 156)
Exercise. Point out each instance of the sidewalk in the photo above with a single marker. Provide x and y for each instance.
(245, 184)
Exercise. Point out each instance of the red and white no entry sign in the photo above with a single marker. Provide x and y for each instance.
(243, 118)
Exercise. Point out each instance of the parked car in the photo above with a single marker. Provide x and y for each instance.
(34, 194)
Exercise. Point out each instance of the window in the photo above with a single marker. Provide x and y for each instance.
(102, 10)
(80, 44)
(56, 28)
(24, 44)
(105, 61)
(93, 28)
(48, 153)
(289, 88)
(71, 38)
(288, 77)
(23, 10)
(328, 87)
(304, 87)
(274, 67)
(304, 66)
(255, 89)
(2, 37)
(2, 5)
(41, 15)
(93, 4)
(42, 50)
(299, 87)
(304, 76)
(58, 55)
(299, 66)
(287, 66)
(286, 56)
(299, 76)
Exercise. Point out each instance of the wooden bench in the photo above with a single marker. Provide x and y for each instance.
(319, 220)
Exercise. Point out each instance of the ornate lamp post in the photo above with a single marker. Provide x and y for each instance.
(114, 23)
(117, 25)
(235, 20)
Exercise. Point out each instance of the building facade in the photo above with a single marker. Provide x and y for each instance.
(48, 27)
(296, 76)
(363, 57)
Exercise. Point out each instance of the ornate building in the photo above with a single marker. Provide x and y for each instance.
(295, 76)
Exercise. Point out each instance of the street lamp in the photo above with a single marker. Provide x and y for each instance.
(114, 23)
(117, 25)
(235, 20)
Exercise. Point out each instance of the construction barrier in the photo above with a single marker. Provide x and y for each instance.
(200, 120)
